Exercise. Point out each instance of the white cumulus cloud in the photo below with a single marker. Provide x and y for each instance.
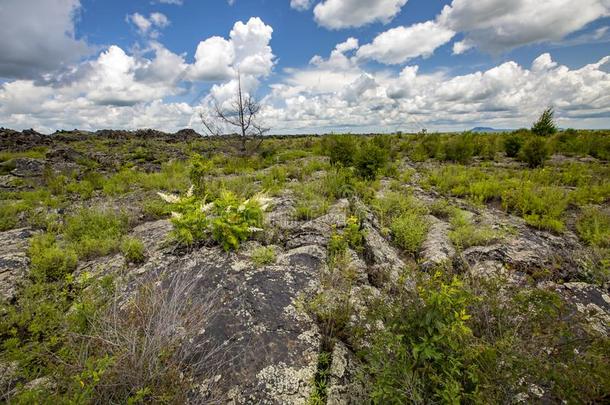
(247, 49)
(498, 25)
(38, 36)
(398, 45)
(337, 14)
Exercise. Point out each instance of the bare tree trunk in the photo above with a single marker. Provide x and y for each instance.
(242, 116)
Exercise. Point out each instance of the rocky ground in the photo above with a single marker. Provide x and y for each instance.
(260, 342)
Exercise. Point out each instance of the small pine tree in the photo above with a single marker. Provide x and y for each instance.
(545, 125)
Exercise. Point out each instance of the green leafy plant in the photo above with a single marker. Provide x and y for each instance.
(227, 220)
(419, 355)
(459, 148)
(198, 170)
(465, 234)
(409, 231)
(341, 149)
(236, 220)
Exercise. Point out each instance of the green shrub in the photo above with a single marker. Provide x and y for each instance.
(534, 152)
(121, 182)
(9, 211)
(48, 260)
(370, 159)
(341, 149)
(133, 250)
(339, 183)
(409, 231)
(459, 148)
(465, 234)
(420, 355)
(353, 233)
(431, 145)
(310, 209)
(190, 227)
(593, 227)
(512, 145)
(394, 204)
(94, 232)
(545, 126)
(198, 170)
(541, 207)
(263, 256)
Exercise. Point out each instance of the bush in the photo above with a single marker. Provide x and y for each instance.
(48, 260)
(341, 149)
(512, 145)
(409, 231)
(199, 168)
(459, 148)
(133, 250)
(419, 356)
(545, 126)
(541, 207)
(370, 159)
(534, 152)
(156, 209)
(339, 183)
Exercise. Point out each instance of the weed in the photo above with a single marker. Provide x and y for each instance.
(419, 355)
(94, 233)
(465, 234)
(593, 227)
(459, 148)
(263, 256)
(48, 260)
(409, 231)
(341, 149)
(133, 250)
(228, 220)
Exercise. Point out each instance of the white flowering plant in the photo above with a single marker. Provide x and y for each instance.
(228, 220)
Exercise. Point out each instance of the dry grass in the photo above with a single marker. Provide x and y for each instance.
(151, 338)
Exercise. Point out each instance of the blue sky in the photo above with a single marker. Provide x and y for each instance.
(317, 65)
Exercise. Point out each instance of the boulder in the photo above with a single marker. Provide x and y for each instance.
(28, 167)
(13, 260)
(437, 248)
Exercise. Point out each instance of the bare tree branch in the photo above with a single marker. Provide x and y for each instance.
(241, 115)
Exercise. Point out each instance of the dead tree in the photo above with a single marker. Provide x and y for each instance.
(241, 116)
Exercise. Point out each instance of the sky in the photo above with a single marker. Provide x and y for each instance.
(317, 66)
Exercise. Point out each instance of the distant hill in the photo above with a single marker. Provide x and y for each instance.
(488, 129)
